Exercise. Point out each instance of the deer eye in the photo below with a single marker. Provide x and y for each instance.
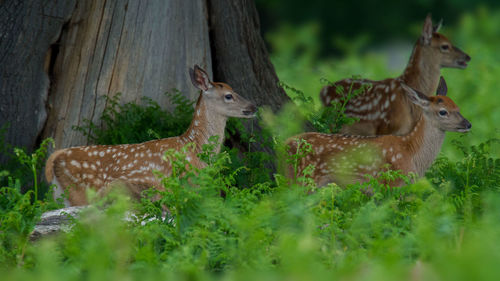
(228, 97)
(445, 47)
(443, 112)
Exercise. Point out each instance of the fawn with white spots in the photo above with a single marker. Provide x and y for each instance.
(384, 108)
(347, 159)
(99, 166)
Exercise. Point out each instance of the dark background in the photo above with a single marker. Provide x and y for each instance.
(377, 20)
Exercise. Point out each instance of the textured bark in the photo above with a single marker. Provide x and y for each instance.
(28, 28)
(137, 48)
(240, 58)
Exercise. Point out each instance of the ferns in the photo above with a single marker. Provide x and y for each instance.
(132, 123)
(231, 220)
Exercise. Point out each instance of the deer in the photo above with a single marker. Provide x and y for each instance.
(382, 107)
(346, 159)
(101, 166)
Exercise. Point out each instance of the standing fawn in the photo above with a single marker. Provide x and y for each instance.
(346, 159)
(383, 107)
(99, 166)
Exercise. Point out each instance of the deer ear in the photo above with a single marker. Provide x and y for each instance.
(427, 31)
(438, 26)
(416, 97)
(442, 88)
(200, 78)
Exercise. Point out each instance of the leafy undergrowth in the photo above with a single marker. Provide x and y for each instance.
(445, 227)
(232, 221)
(473, 89)
(134, 123)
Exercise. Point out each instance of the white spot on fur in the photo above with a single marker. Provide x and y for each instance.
(75, 163)
(324, 91)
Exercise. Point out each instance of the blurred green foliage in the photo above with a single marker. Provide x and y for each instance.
(296, 58)
(376, 21)
(419, 232)
(443, 227)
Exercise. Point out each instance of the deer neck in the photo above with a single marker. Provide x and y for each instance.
(422, 72)
(206, 123)
(424, 143)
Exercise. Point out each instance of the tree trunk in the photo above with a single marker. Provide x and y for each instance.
(137, 48)
(27, 30)
(240, 58)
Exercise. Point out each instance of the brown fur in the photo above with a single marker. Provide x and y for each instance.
(132, 165)
(49, 165)
(399, 116)
(347, 159)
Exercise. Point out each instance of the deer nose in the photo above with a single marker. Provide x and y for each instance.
(250, 110)
(467, 58)
(467, 124)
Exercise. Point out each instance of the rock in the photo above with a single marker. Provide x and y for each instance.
(54, 221)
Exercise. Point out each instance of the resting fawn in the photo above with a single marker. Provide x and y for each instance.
(99, 166)
(346, 159)
(383, 107)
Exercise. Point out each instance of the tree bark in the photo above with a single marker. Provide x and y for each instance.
(137, 48)
(28, 28)
(240, 57)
